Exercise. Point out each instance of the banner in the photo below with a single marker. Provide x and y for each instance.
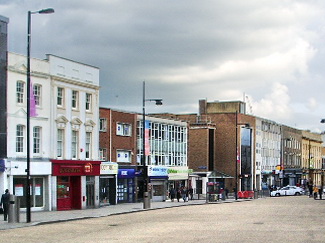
(32, 107)
(146, 138)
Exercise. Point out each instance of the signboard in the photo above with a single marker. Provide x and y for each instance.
(108, 168)
(157, 171)
(178, 173)
(126, 173)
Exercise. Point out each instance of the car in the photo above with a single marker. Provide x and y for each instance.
(288, 191)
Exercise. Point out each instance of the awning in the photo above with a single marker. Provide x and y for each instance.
(217, 175)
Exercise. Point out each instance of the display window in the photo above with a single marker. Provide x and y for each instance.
(36, 191)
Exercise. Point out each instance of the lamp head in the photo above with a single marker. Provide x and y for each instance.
(46, 11)
(158, 101)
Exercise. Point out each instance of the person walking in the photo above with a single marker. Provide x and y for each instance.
(5, 204)
(172, 194)
(178, 194)
(190, 191)
(320, 191)
(315, 191)
(184, 194)
(310, 188)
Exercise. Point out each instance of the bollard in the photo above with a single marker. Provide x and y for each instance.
(146, 200)
(14, 209)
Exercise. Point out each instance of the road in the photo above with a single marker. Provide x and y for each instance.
(285, 219)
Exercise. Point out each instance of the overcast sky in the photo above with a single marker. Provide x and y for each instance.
(271, 52)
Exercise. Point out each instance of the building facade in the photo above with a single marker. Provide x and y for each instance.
(311, 159)
(121, 144)
(268, 152)
(75, 130)
(64, 165)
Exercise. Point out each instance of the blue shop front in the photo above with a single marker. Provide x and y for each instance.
(126, 185)
(158, 182)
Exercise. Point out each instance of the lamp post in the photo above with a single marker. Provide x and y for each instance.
(146, 196)
(43, 11)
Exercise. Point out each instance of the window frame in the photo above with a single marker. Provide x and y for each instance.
(74, 99)
(37, 92)
(60, 97)
(122, 159)
(20, 138)
(123, 129)
(60, 143)
(102, 124)
(37, 140)
(20, 89)
(74, 144)
(88, 143)
(88, 102)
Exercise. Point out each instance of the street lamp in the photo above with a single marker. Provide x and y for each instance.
(42, 11)
(237, 154)
(146, 197)
(282, 163)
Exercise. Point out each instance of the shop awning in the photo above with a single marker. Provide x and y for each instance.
(217, 175)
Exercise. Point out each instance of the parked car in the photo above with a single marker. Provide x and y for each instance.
(288, 191)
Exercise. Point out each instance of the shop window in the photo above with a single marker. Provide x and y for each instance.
(63, 187)
(37, 191)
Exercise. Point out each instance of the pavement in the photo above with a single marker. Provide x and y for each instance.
(47, 217)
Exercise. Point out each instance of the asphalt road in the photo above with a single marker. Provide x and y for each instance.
(285, 219)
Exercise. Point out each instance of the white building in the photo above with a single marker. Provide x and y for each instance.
(75, 112)
(40, 132)
(268, 151)
(64, 136)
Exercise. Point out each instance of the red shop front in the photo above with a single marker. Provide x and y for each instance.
(70, 175)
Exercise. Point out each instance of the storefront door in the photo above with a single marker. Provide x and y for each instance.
(90, 191)
(158, 190)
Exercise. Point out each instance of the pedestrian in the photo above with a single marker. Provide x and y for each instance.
(320, 191)
(184, 193)
(310, 188)
(5, 204)
(190, 191)
(315, 191)
(172, 194)
(178, 194)
(227, 191)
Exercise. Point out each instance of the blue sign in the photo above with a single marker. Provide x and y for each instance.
(2, 165)
(126, 173)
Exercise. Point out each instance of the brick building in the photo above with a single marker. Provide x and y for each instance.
(121, 145)
(212, 144)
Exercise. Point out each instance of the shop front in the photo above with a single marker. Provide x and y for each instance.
(107, 183)
(178, 177)
(158, 176)
(126, 185)
(15, 178)
(75, 184)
